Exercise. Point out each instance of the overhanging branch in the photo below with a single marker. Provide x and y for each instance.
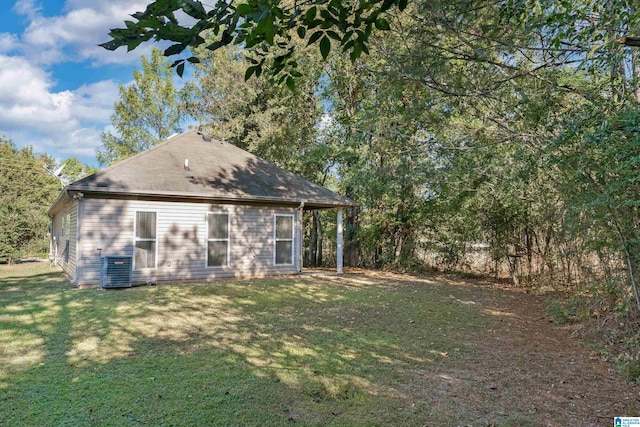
(630, 41)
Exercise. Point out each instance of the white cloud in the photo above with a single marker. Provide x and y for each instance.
(75, 35)
(61, 123)
(8, 42)
(28, 8)
(94, 102)
(64, 123)
(25, 96)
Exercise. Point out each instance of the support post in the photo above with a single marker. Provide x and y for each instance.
(339, 257)
(299, 237)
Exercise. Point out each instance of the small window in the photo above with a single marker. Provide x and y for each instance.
(66, 226)
(66, 251)
(66, 232)
(284, 239)
(217, 240)
(145, 250)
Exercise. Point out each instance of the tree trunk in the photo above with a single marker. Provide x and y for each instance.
(631, 270)
(635, 61)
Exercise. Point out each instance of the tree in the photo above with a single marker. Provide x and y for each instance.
(149, 110)
(598, 154)
(264, 28)
(266, 119)
(26, 192)
(74, 170)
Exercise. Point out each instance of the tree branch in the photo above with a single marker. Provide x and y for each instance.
(630, 41)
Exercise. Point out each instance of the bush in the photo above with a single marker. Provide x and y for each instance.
(631, 370)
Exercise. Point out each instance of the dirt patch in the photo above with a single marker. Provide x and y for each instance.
(524, 369)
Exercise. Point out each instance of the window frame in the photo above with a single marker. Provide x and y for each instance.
(66, 225)
(228, 240)
(137, 239)
(65, 231)
(276, 239)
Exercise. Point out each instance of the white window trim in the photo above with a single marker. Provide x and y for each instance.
(135, 239)
(66, 225)
(228, 240)
(276, 239)
(66, 236)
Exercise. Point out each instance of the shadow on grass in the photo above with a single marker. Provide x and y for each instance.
(20, 284)
(341, 350)
(249, 352)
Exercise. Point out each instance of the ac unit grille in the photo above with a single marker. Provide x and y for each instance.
(116, 272)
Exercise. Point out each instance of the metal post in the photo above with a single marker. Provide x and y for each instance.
(339, 257)
(299, 238)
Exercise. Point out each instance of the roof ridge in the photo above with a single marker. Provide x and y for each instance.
(140, 154)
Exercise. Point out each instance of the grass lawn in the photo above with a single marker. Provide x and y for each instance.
(360, 349)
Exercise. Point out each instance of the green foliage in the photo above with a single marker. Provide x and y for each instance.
(26, 192)
(468, 125)
(448, 134)
(631, 370)
(273, 122)
(264, 28)
(74, 170)
(149, 110)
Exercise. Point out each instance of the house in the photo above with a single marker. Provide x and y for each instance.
(191, 207)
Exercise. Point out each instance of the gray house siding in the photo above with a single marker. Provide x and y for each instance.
(181, 239)
(64, 234)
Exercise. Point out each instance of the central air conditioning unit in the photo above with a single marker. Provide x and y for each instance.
(116, 272)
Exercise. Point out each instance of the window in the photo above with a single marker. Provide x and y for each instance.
(284, 239)
(145, 237)
(66, 251)
(66, 232)
(66, 226)
(217, 240)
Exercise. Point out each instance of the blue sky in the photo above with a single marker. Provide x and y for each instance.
(57, 87)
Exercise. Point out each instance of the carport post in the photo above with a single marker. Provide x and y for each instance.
(339, 259)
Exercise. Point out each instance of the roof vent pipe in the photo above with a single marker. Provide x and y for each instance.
(186, 164)
(205, 137)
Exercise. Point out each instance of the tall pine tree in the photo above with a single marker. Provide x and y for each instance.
(149, 110)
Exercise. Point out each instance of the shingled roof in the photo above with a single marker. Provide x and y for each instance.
(216, 171)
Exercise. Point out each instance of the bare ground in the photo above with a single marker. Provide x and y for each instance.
(526, 369)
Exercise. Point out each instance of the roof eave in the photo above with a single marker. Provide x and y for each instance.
(226, 198)
(61, 196)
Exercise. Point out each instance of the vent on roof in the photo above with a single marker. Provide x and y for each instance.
(186, 164)
(205, 137)
(116, 272)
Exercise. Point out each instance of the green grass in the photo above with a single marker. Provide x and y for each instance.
(352, 350)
